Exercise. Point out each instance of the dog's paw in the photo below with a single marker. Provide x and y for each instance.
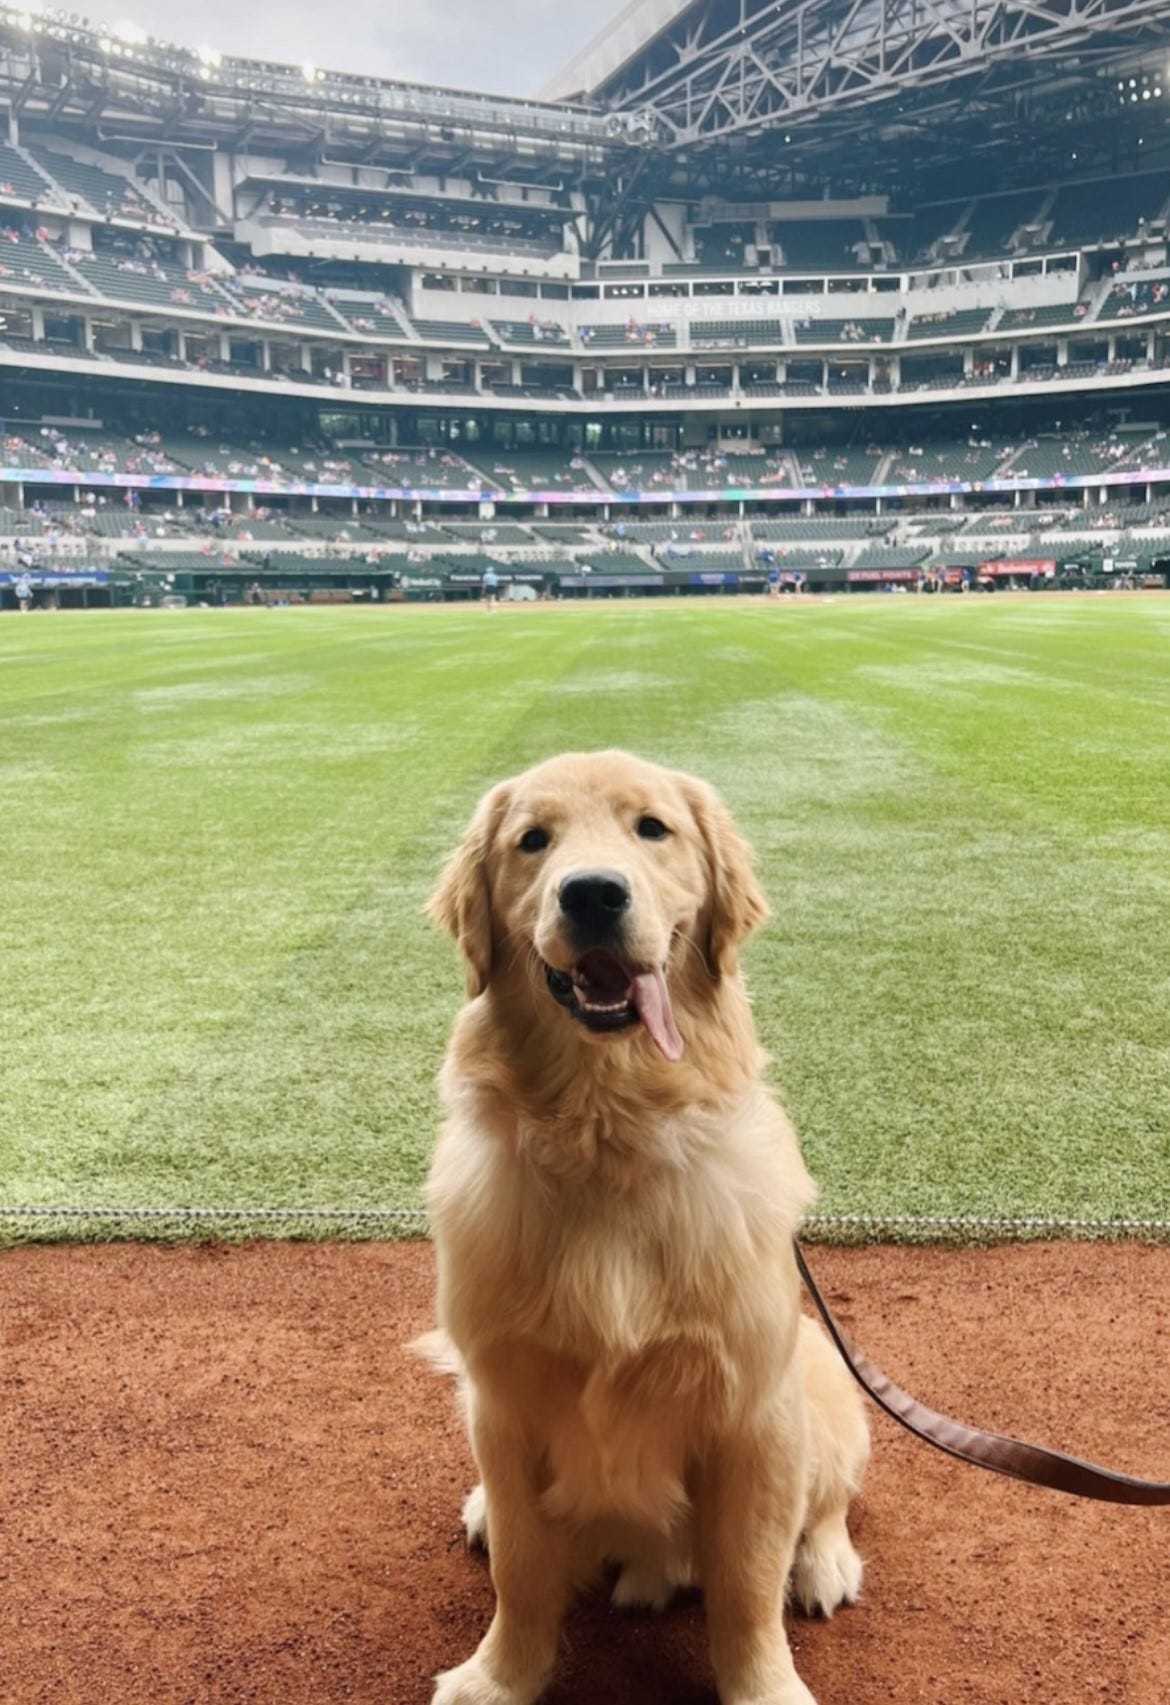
(470, 1684)
(641, 1586)
(475, 1518)
(793, 1692)
(827, 1571)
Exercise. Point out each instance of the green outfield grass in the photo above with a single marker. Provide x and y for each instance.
(217, 830)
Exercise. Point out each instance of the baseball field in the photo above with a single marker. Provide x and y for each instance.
(222, 1477)
(218, 828)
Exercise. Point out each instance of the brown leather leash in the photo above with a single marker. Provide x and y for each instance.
(994, 1451)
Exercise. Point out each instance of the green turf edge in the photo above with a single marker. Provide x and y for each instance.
(228, 1226)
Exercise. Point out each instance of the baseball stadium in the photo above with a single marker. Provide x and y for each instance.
(782, 394)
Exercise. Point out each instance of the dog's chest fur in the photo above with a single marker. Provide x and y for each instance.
(622, 1321)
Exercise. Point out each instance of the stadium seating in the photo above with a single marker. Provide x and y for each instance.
(889, 556)
(374, 316)
(960, 323)
(21, 179)
(735, 334)
(1132, 298)
(1104, 211)
(689, 534)
(700, 560)
(636, 471)
(1051, 314)
(517, 470)
(450, 331)
(420, 469)
(723, 244)
(805, 529)
(563, 532)
(209, 556)
(841, 466)
(859, 331)
(1067, 454)
(125, 274)
(359, 232)
(532, 331)
(327, 527)
(994, 220)
(916, 237)
(818, 245)
(263, 299)
(994, 519)
(33, 265)
(793, 558)
(201, 453)
(630, 334)
(487, 533)
(108, 194)
(774, 468)
(971, 462)
(119, 523)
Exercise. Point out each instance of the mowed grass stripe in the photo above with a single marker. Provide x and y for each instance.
(219, 829)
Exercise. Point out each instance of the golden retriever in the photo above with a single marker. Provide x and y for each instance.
(613, 1197)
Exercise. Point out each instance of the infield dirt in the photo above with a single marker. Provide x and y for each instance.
(222, 1479)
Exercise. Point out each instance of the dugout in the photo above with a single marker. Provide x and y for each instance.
(282, 578)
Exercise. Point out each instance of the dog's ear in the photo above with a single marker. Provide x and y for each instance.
(736, 903)
(462, 904)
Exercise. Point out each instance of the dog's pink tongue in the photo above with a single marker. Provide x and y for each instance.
(648, 990)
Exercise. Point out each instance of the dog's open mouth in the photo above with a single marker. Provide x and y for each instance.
(606, 995)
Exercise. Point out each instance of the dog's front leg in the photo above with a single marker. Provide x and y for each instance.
(749, 1509)
(530, 1567)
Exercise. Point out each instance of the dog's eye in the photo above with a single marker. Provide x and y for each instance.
(652, 829)
(534, 840)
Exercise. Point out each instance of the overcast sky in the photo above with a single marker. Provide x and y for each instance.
(505, 47)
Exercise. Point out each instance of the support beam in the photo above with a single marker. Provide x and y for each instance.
(722, 71)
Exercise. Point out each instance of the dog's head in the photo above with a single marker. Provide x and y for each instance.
(611, 885)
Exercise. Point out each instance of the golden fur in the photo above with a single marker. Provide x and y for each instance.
(614, 1234)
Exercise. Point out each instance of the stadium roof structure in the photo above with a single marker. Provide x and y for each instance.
(883, 93)
(81, 77)
(728, 100)
(613, 48)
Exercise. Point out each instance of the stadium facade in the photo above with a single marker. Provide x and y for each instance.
(853, 293)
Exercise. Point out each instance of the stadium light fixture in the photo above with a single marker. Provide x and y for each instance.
(211, 57)
(132, 34)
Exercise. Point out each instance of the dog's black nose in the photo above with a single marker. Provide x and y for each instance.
(594, 902)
